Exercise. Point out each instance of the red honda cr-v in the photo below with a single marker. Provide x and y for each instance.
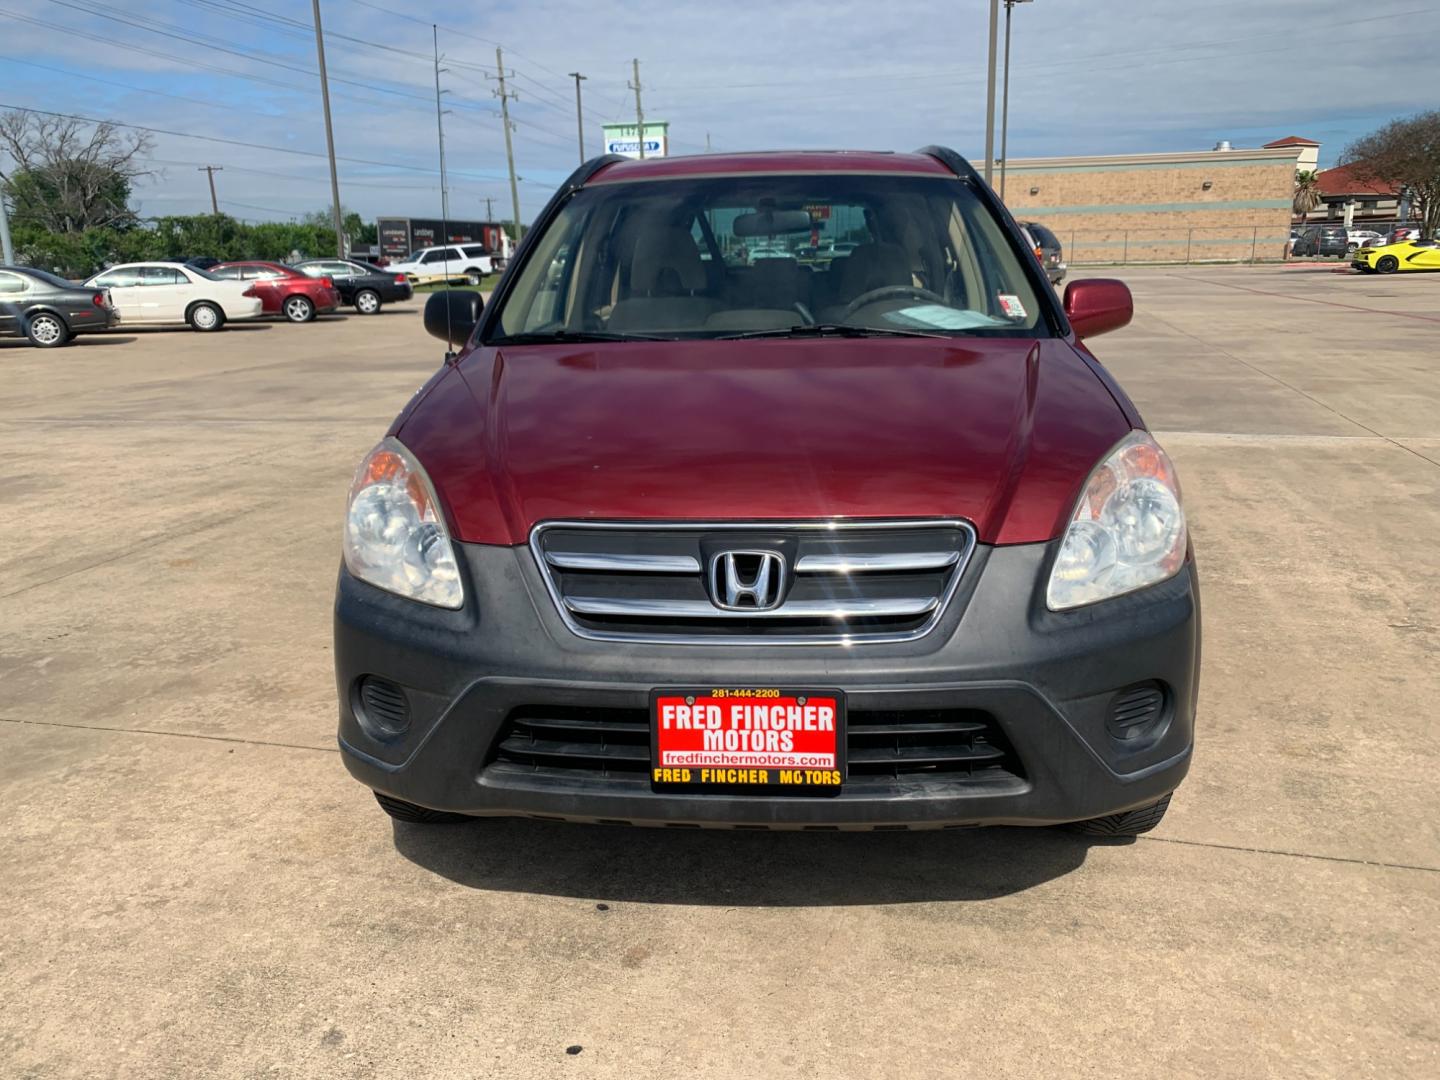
(771, 490)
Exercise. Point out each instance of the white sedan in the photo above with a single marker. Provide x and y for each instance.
(172, 294)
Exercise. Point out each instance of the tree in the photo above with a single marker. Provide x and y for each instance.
(352, 223)
(66, 176)
(1404, 153)
(1307, 192)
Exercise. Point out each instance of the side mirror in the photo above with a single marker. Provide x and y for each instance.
(1097, 306)
(451, 316)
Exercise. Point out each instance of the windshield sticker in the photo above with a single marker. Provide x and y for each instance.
(940, 317)
(1011, 306)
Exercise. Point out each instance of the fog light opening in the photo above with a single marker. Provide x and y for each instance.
(1138, 713)
(381, 708)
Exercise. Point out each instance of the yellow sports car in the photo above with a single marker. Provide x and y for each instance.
(1406, 255)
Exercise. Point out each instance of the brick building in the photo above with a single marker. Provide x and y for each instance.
(1217, 205)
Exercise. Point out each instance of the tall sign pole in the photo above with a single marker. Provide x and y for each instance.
(329, 135)
(990, 92)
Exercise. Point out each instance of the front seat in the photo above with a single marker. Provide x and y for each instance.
(873, 266)
(667, 284)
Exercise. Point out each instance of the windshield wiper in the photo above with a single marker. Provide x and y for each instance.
(832, 330)
(540, 337)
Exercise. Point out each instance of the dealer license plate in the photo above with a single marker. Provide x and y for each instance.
(747, 738)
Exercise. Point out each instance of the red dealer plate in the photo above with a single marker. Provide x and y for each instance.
(747, 737)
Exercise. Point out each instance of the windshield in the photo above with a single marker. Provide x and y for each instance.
(729, 255)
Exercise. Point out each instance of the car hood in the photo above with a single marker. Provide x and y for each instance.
(1001, 432)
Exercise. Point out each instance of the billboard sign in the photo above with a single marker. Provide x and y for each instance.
(623, 139)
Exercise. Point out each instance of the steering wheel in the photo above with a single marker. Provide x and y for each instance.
(889, 292)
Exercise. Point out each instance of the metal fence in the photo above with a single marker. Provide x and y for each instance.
(1219, 244)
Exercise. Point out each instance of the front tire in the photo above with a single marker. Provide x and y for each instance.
(367, 302)
(1387, 264)
(1129, 823)
(47, 331)
(206, 317)
(401, 810)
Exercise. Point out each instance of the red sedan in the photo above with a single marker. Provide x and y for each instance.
(283, 291)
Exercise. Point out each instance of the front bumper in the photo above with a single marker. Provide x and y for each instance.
(1047, 680)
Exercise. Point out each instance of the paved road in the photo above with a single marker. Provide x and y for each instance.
(192, 885)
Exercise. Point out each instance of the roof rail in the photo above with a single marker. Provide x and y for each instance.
(951, 160)
(580, 176)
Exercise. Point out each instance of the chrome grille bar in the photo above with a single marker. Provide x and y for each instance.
(793, 609)
(623, 564)
(879, 562)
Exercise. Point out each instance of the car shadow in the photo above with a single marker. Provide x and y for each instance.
(82, 341)
(741, 868)
(129, 333)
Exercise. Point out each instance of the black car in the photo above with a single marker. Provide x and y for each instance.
(1052, 256)
(366, 287)
(202, 262)
(1322, 240)
(50, 310)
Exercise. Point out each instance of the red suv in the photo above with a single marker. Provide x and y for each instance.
(691, 532)
(283, 290)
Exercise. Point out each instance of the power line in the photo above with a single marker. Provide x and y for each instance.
(121, 85)
(248, 145)
(71, 31)
(169, 30)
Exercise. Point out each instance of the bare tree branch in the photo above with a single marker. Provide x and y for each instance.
(67, 175)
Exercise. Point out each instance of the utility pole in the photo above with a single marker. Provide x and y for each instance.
(579, 114)
(329, 135)
(990, 92)
(489, 211)
(639, 113)
(707, 142)
(212, 170)
(440, 134)
(505, 97)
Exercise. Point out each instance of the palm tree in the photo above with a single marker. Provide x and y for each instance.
(1307, 193)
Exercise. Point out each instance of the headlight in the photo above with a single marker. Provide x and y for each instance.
(395, 535)
(1128, 530)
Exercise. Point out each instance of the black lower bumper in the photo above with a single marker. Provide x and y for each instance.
(1047, 683)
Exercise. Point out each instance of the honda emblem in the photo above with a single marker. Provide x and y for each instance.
(747, 580)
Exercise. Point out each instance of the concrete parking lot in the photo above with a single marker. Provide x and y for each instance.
(193, 886)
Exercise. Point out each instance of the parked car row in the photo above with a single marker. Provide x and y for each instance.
(49, 310)
(1340, 241)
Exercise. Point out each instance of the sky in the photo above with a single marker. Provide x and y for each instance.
(1087, 77)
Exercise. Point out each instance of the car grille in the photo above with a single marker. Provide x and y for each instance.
(833, 583)
(881, 744)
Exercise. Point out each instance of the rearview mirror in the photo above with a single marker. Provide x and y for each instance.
(771, 223)
(451, 315)
(1097, 306)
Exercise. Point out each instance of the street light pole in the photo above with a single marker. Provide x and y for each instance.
(1005, 97)
(989, 91)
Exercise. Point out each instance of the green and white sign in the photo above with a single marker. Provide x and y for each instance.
(621, 139)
